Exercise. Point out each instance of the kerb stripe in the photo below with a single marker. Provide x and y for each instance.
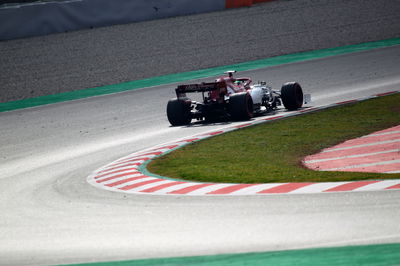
(115, 172)
(141, 184)
(350, 186)
(285, 188)
(190, 189)
(157, 188)
(230, 189)
(394, 187)
(125, 181)
(107, 170)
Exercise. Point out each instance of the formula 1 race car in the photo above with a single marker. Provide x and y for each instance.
(231, 98)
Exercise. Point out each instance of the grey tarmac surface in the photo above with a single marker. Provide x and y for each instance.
(51, 215)
(89, 58)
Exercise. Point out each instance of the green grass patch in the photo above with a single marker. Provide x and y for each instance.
(272, 152)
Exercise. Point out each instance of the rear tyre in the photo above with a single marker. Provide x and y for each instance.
(292, 95)
(241, 106)
(178, 112)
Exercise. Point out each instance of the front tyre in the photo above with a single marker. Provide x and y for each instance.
(241, 106)
(178, 112)
(292, 95)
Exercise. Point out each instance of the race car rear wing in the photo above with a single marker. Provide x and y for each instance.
(181, 90)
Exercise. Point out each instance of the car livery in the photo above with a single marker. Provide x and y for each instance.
(231, 99)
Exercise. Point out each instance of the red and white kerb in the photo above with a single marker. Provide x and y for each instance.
(377, 152)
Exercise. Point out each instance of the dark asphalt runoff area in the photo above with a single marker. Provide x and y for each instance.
(77, 60)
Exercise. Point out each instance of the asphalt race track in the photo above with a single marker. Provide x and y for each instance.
(51, 215)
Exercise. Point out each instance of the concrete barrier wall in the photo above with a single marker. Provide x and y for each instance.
(41, 18)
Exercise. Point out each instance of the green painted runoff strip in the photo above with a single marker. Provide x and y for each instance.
(372, 255)
(179, 77)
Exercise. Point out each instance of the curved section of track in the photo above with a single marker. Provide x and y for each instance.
(51, 215)
(129, 175)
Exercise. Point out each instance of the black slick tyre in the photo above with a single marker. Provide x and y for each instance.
(178, 112)
(241, 106)
(292, 95)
